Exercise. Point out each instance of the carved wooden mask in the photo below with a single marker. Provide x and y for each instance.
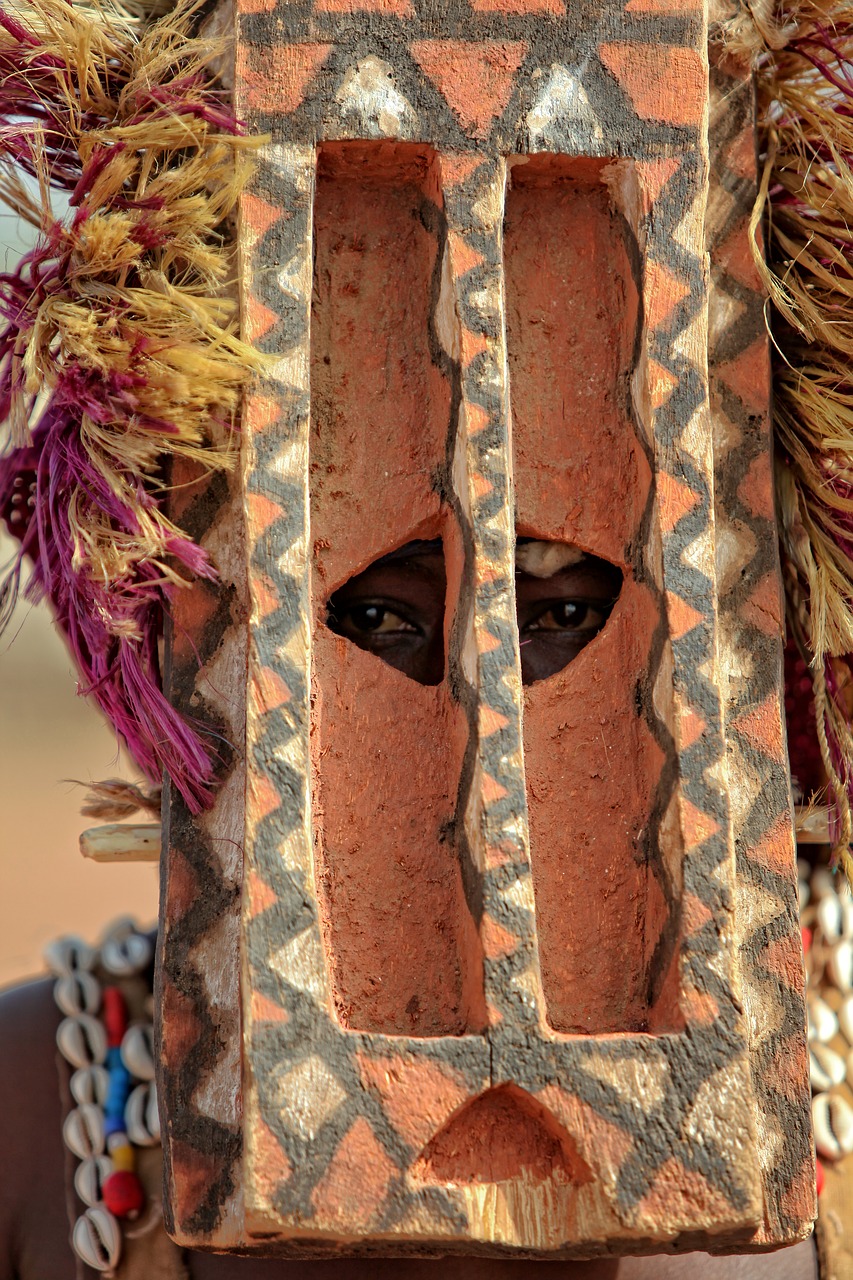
(485, 966)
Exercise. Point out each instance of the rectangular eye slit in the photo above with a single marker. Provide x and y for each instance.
(388, 753)
(598, 776)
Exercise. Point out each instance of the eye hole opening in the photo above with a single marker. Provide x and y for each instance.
(394, 609)
(564, 598)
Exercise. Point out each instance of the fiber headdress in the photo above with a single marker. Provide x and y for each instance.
(802, 52)
(116, 349)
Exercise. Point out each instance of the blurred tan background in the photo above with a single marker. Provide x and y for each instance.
(47, 734)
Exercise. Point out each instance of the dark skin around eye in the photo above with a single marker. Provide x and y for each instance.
(558, 616)
(395, 610)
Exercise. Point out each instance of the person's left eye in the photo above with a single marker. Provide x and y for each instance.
(571, 615)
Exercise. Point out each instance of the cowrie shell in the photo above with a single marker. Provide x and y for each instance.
(77, 992)
(118, 929)
(97, 1239)
(835, 917)
(124, 956)
(845, 1018)
(141, 1117)
(832, 1118)
(137, 1051)
(804, 894)
(840, 965)
(64, 955)
(823, 1023)
(90, 1177)
(83, 1131)
(90, 1085)
(823, 882)
(826, 1067)
(82, 1040)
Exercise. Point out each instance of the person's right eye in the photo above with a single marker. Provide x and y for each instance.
(372, 618)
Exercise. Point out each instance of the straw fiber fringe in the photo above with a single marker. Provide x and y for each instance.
(803, 54)
(117, 342)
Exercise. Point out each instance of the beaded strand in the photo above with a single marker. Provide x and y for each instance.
(826, 909)
(112, 1085)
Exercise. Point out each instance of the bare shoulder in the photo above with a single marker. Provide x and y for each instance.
(33, 1218)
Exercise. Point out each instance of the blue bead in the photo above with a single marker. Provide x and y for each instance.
(117, 1091)
(113, 1059)
(113, 1124)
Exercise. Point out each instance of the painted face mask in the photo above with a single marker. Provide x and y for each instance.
(472, 717)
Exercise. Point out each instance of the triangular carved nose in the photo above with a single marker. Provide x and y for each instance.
(503, 1135)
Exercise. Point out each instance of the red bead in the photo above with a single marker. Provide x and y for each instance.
(114, 1014)
(819, 1176)
(123, 1195)
(807, 939)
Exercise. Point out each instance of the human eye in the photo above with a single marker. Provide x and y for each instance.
(585, 617)
(365, 619)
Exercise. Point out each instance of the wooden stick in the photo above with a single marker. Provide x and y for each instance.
(122, 842)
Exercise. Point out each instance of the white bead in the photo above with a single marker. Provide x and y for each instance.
(64, 955)
(826, 1067)
(77, 992)
(125, 956)
(823, 1023)
(90, 1177)
(840, 965)
(83, 1131)
(137, 1051)
(832, 1118)
(97, 1239)
(90, 1085)
(82, 1040)
(117, 1140)
(141, 1117)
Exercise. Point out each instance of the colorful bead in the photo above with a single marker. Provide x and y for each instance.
(114, 1015)
(119, 1085)
(121, 1152)
(123, 1194)
(110, 1058)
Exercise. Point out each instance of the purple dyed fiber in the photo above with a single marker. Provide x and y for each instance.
(112, 629)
